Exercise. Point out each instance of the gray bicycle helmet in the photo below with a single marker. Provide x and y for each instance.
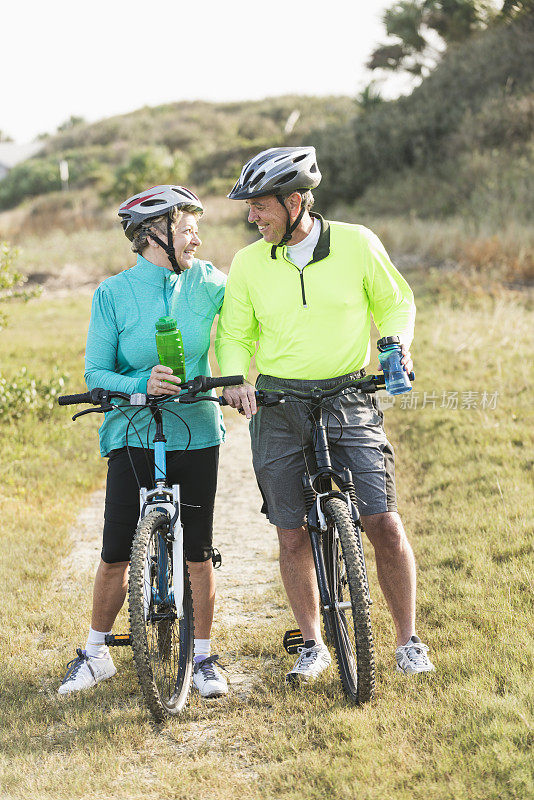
(279, 170)
(155, 202)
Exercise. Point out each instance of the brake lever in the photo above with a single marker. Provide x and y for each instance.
(268, 398)
(101, 410)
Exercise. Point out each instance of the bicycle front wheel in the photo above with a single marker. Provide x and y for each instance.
(349, 614)
(162, 642)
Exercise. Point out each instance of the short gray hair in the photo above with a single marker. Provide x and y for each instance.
(307, 198)
(140, 240)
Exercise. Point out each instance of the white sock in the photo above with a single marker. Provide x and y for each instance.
(202, 649)
(96, 646)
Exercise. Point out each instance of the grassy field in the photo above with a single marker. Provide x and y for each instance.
(464, 479)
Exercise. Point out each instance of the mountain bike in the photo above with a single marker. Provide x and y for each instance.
(335, 532)
(159, 592)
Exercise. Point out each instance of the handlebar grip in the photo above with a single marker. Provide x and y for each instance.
(230, 380)
(71, 399)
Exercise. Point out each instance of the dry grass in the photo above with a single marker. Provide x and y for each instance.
(464, 479)
(69, 246)
(456, 244)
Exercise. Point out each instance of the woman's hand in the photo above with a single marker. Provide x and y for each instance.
(158, 383)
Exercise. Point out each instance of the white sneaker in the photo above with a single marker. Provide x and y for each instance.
(207, 678)
(85, 671)
(313, 659)
(412, 657)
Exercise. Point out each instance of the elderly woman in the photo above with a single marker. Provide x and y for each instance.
(121, 355)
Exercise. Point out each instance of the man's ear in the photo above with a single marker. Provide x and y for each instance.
(293, 204)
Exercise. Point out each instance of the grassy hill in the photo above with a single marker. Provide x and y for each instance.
(200, 143)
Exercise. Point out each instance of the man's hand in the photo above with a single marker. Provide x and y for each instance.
(406, 359)
(242, 397)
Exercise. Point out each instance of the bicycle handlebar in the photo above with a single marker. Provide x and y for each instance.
(71, 399)
(202, 383)
(366, 385)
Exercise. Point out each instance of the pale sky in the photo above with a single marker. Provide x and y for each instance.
(107, 57)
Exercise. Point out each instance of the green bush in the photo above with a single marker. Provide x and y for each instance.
(20, 393)
(149, 167)
(33, 177)
(11, 281)
(40, 175)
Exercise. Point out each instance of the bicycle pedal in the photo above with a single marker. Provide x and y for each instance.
(293, 640)
(216, 558)
(118, 640)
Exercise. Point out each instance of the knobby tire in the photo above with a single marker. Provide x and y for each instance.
(162, 644)
(352, 634)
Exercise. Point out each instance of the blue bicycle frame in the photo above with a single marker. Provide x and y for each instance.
(163, 498)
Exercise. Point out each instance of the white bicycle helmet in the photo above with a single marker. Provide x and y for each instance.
(155, 202)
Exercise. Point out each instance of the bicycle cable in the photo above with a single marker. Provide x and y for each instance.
(128, 448)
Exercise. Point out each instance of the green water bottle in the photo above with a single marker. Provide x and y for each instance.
(170, 346)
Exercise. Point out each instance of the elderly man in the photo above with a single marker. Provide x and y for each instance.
(304, 293)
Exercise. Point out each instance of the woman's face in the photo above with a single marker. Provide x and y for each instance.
(186, 240)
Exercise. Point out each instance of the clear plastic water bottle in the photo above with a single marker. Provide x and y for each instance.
(390, 354)
(170, 346)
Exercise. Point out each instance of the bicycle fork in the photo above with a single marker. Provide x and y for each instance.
(167, 500)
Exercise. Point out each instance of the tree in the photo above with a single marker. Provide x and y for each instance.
(513, 8)
(71, 122)
(422, 29)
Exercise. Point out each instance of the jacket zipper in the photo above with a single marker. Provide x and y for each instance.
(304, 303)
(301, 273)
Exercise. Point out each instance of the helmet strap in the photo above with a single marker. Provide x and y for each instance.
(168, 246)
(290, 228)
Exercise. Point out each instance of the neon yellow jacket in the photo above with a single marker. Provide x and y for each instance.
(312, 323)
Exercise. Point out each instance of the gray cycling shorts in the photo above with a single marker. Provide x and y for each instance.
(357, 440)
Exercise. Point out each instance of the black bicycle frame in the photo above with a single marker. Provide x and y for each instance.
(317, 491)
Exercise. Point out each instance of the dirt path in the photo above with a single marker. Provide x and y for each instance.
(246, 541)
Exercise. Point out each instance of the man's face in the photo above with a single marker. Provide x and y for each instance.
(270, 217)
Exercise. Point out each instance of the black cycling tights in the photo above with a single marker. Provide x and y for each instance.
(194, 470)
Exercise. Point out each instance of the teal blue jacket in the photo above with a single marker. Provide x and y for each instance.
(121, 348)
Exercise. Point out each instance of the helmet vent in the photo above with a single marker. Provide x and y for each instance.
(299, 158)
(258, 178)
(146, 203)
(313, 168)
(248, 176)
(287, 178)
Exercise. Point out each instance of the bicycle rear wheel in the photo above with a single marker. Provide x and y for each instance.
(350, 616)
(162, 643)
